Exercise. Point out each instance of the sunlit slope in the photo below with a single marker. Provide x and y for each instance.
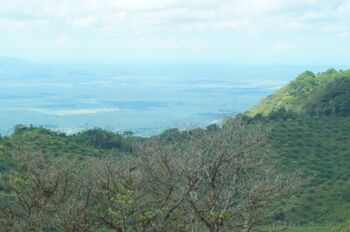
(324, 93)
(310, 121)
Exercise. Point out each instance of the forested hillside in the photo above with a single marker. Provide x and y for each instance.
(286, 161)
(326, 93)
(205, 180)
(310, 121)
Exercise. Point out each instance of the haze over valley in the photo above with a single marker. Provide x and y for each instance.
(142, 98)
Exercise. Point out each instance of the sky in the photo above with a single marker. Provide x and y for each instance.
(217, 31)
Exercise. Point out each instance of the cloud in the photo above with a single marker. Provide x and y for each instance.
(224, 26)
(280, 46)
(63, 40)
(170, 42)
(261, 15)
(83, 22)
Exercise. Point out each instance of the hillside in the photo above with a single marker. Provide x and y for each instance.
(309, 128)
(320, 147)
(90, 143)
(326, 93)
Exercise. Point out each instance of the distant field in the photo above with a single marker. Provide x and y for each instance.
(145, 99)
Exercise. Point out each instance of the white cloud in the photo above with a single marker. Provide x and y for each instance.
(63, 40)
(12, 23)
(116, 27)
(263, 15)
(170, 42)
(284, 45)
(83, 22)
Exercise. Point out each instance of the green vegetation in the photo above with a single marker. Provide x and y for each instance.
(93, 142)
(321, 148)
(312, 229)
(224, 180)
(308, 125)
(326, 93)
(90, 143)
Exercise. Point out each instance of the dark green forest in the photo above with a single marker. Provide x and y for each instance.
(283, 164)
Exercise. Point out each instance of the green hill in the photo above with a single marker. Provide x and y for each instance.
(89, 143)
(327, 93)
(310, 130)
(310, 121)
(320, 147)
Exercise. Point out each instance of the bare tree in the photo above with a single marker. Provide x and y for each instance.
(223, 180)
(45, 195)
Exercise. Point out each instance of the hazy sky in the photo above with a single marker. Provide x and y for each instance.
(233, 31)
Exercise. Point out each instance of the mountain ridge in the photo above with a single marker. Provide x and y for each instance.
(325, 93)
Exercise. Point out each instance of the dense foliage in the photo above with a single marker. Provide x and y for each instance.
(310, 121)
(219, 181)
(326, 93)
(321, 148)
(90, 143)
